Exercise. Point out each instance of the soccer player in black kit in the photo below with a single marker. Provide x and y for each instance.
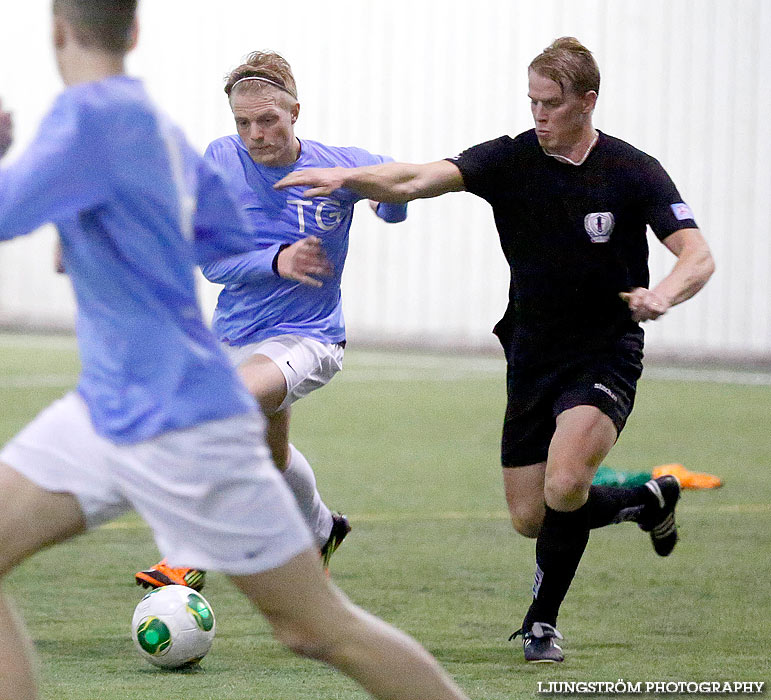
(571, 205)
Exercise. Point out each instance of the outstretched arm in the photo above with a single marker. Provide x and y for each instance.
(390, 182)
(693, 268)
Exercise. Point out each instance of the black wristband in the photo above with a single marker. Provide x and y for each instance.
(274, 265)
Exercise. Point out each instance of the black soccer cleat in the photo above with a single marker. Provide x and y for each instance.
(539, 645)
(659, 519)
(340, 528)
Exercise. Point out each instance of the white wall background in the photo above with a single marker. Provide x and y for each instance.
(685, 80)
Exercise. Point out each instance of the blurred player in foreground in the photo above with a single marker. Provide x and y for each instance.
(160, 421)
(279, 315)
(571, 206)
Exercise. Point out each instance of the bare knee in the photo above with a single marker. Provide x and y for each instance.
(527, 518)
(566, 490)
(523, 487)
(319, 643)
(307, 645)
(306, 613)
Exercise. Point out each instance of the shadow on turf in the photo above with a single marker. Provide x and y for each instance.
(91, 648)
(604, 646)
(106, 648)
(183, 671)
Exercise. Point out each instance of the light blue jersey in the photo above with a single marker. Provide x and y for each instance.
(256, 303)
(136, 210)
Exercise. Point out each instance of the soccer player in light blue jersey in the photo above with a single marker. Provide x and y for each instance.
(279, 315)
(160, 422)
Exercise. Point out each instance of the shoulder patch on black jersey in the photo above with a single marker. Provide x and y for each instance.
(681, 211)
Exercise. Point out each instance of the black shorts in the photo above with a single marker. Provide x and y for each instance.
(605, 378)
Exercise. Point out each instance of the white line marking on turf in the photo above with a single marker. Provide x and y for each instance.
(482, 363)
(442, 373)
(736, 508)
(357, 375)
(715, 376)
(375, 366)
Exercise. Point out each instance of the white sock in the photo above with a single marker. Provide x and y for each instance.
(300, 478)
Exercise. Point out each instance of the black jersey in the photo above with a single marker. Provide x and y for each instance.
(574, 237)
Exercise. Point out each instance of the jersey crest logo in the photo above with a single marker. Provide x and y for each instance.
(599, 226)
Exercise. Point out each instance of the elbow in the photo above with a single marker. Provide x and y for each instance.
(707, 266)
(699, 263)
(400, 193)
(702, 268)
(408, 186)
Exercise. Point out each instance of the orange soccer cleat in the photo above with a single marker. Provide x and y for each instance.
(688, 479)
(164, 575)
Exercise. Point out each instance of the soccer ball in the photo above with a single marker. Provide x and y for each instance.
(173, 626)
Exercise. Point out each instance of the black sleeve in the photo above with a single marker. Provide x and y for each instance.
(665, 210)
(481, 166)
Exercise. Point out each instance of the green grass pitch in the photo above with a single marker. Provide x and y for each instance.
(407, 446)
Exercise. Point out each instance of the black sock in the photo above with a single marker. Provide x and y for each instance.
(615, 504)
(558, 550)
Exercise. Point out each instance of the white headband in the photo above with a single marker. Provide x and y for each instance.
(262, 80)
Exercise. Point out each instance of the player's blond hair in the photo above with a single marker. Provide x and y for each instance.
(271, 67)
(568, 62)
(100, 24)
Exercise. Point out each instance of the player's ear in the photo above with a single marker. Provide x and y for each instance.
(59, 33)
(590, 101)
(295, 111)
(133, 35)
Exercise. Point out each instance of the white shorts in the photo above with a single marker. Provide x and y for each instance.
(305, 363)
(210, 493)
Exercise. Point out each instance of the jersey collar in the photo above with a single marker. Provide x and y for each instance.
(565, 159)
